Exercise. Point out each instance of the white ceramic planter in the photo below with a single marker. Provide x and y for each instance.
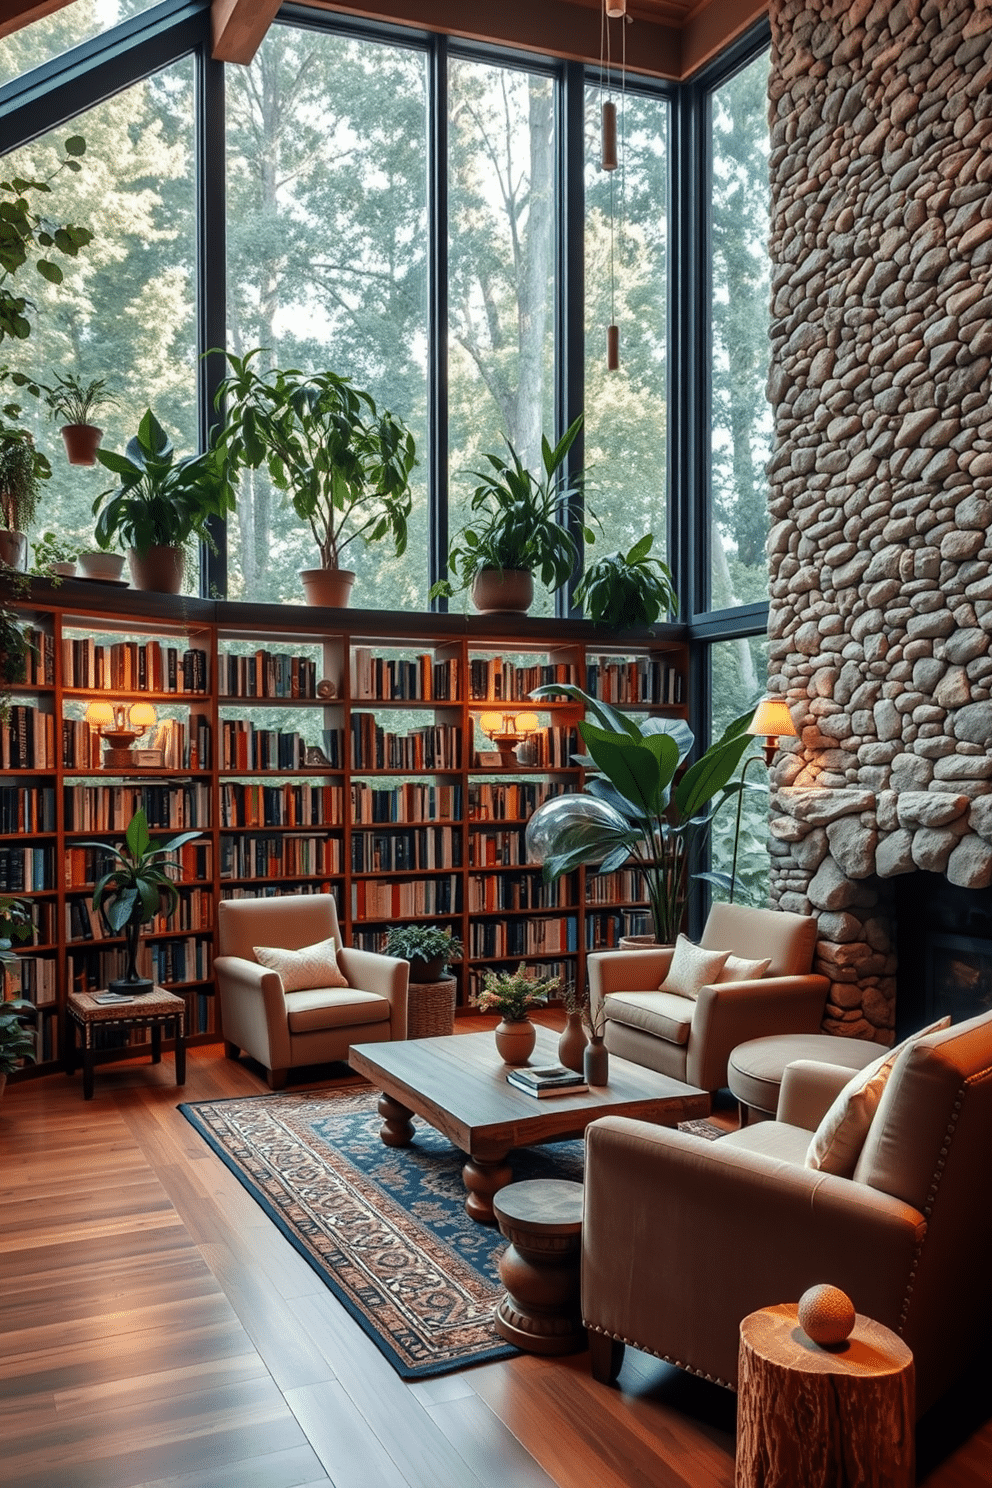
(101, 565)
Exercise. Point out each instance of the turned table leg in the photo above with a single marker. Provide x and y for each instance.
(397, 1128)
(484, 1177)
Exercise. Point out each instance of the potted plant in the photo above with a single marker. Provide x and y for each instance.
(344, 465)
(74, 402)
(16, 1042)
(514, 995)
(54, 555)
(22, 470)
(139, 886)
(518, 527)
(634, 808)
(14, 645)
(629, 588)
(160, 505)
(428, 949)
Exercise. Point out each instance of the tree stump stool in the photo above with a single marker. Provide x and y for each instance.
(542, 1219)
(823, 1417)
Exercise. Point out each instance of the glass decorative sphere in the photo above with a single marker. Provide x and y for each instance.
(581, 819)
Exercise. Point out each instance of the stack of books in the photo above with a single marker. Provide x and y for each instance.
(548, 1079)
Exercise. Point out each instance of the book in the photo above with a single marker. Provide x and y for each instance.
(111, 999)
(554, 1087)
(551, 1079)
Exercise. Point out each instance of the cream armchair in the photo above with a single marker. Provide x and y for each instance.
(284, 1030)
(682, 1238)
(693, 1040)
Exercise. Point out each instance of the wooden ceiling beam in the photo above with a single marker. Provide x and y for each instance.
(712, 25)
(17, 13)
(239, 26)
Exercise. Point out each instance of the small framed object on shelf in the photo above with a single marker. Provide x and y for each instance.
(149, 759)
(488, 759)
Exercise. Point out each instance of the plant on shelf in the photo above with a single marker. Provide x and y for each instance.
(625, 589)
(160, 504)
(634, 809)
(429, 950)
(16, 1042)
(74, 402)
(23, 468)
(141, 884)
(519, 526)
(344, 466)
(54, 555)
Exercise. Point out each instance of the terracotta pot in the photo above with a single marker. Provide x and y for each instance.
(515, 1041)
(503, 591)
(161, 569)
(81, 443)
(596, 1063)
(101, 565)
(572, 1044)
(13, 549)
(329, 588)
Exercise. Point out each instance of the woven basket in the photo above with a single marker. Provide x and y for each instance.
(431, 1008)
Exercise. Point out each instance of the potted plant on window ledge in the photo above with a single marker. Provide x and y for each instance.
(74, 401)
(160, 505)
(22, 470)
(344, 465)
(625, 589)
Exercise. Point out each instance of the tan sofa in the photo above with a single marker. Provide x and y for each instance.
(284, 1030)
(682, 1238)
(693, 1040)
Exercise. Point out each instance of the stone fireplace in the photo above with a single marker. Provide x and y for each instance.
(881, 474)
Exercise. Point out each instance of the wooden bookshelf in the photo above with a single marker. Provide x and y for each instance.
(314, 750)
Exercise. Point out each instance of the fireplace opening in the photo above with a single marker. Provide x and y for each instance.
(944, 951)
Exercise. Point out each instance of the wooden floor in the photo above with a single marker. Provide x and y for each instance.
(156, 1329)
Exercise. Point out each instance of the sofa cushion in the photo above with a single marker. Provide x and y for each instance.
(664, 1014)
(692, 969)
(840, 1136)
(312, 966)
(320, 1008)
(772, 1138)
(742, 969)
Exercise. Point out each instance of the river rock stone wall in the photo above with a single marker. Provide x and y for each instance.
(881, 474)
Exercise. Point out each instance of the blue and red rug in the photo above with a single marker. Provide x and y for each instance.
(385, 1228)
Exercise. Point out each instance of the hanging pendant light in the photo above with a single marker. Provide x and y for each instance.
(611, 152)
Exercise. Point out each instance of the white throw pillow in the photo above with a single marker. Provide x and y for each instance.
(840, 1136)
(740, 969)
(692, 969)
(300, 971)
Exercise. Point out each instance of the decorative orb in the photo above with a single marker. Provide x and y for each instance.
(570, 821)
(826, 1314)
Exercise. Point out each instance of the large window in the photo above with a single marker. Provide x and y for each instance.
(738, 684)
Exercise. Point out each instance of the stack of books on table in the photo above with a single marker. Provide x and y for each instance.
(548, 1079)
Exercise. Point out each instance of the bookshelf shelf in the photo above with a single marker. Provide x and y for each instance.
(407, 686)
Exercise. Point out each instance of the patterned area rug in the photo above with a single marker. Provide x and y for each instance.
(385, 1228)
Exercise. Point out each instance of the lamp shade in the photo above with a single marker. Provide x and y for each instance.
(99, 714)
(142, 716)
(491, 723)
(773, 719)
(526, 723)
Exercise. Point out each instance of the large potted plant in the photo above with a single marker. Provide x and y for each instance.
(160, 504)
(74, 402)
(16, 1041)
(141, 884)
(344, 466)
(429, 950)
(625, 589)
(518, 527)
(636, 807)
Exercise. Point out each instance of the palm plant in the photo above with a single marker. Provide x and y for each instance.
(637, 808)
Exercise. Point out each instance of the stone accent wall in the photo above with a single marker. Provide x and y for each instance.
(881, 475)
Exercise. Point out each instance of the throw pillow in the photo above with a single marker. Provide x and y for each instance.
(302, 970)
(692, 969)
(840, 1136)
(740, 969)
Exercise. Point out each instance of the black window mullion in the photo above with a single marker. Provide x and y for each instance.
(211, 285)
(570, 299)
(437, 371)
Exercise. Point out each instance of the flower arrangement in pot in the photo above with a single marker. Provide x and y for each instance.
(16, 1041)
(636, 807)
(518, 527)
(160, 505)
(74, 402)
(140, 885)
(344, 466)
(429, 950)
(514, 995)
(625, 589)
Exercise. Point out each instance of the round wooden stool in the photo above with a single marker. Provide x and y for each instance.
(834, 1416)
(542, 1219)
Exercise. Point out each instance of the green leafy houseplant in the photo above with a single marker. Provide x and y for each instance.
(513, 994)
(519, 521)
(22, 471)
(23, 231)
(428, 949)
(634, 808)
(16, 1042)
(53, 554)
(73, 401)
(629, 588)
(140, 885)
(344, 466)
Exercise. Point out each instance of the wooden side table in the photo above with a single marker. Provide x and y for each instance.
(841, 1416)
(542, 1219)
(154, 1010)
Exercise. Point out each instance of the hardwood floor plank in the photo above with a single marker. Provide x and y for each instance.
(489, 1448)
(353, 1457)
(293, 1468)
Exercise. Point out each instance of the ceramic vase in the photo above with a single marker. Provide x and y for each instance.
(515, 1041)
(596, 1063)
(572, 1044)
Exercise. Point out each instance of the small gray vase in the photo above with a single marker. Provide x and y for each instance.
(596, 1063)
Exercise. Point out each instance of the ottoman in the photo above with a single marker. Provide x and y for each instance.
(755, 1069)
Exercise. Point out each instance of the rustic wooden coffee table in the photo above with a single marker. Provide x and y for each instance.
(459, 1086)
